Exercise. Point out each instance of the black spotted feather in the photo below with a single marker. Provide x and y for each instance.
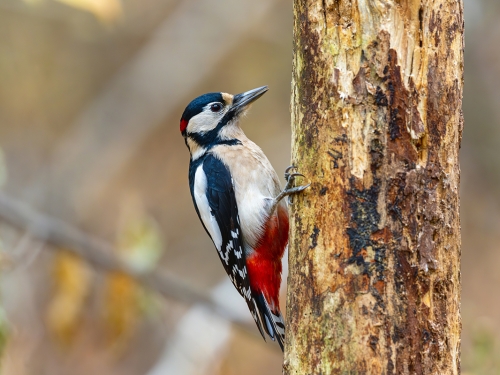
(223, 207)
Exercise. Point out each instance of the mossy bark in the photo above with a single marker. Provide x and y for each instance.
(374, 284)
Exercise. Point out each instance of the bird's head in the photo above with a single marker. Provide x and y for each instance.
(210, 118)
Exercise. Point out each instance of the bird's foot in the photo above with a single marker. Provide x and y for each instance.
(289, 189)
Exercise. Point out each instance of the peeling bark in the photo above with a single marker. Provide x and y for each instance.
(374, 283)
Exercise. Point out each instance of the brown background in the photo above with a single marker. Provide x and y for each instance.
(90, 100)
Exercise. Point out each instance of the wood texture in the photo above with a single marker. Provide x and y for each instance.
(374, 284)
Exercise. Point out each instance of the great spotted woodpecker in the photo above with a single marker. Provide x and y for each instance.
(237, 196)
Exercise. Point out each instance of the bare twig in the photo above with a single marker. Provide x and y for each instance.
(100, 254)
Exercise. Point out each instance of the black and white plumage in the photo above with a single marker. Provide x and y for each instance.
(238, 198)
(215, 203)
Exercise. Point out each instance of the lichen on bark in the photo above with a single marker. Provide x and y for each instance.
(374, 283)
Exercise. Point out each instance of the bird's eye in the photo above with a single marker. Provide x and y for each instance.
(216, 107)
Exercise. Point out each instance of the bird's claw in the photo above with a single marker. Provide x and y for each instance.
(296, 190)
(287, 172)
(289, 190)
(291, 178)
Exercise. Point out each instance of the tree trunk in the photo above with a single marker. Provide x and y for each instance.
(374, 284)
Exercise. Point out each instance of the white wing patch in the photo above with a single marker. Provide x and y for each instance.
(229, 248)
(200, 191)
(247, 293)
(238, 253)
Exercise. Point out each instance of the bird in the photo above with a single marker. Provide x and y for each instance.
(239, 201)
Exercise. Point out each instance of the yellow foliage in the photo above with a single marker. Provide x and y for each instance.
(139, 245)
(121, 307)
(72, 278)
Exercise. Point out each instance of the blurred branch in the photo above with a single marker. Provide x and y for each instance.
(101, 254)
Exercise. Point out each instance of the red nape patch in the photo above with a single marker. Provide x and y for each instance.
(264, 266)
(184, 125)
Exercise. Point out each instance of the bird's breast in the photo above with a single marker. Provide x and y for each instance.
(256, 184)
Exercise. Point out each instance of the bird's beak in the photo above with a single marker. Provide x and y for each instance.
(241, 101)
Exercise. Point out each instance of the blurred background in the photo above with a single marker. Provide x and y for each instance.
(91, 92)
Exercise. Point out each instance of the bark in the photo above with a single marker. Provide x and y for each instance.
(374, 284)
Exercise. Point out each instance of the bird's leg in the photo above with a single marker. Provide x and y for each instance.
(289, 189)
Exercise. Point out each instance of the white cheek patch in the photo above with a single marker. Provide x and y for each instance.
(200, 189)
(205, 121)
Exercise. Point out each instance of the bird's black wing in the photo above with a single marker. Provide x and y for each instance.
(215, 201)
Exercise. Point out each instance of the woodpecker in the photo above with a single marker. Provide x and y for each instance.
(238, 198)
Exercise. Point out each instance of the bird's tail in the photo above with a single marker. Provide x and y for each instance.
(271, 321)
